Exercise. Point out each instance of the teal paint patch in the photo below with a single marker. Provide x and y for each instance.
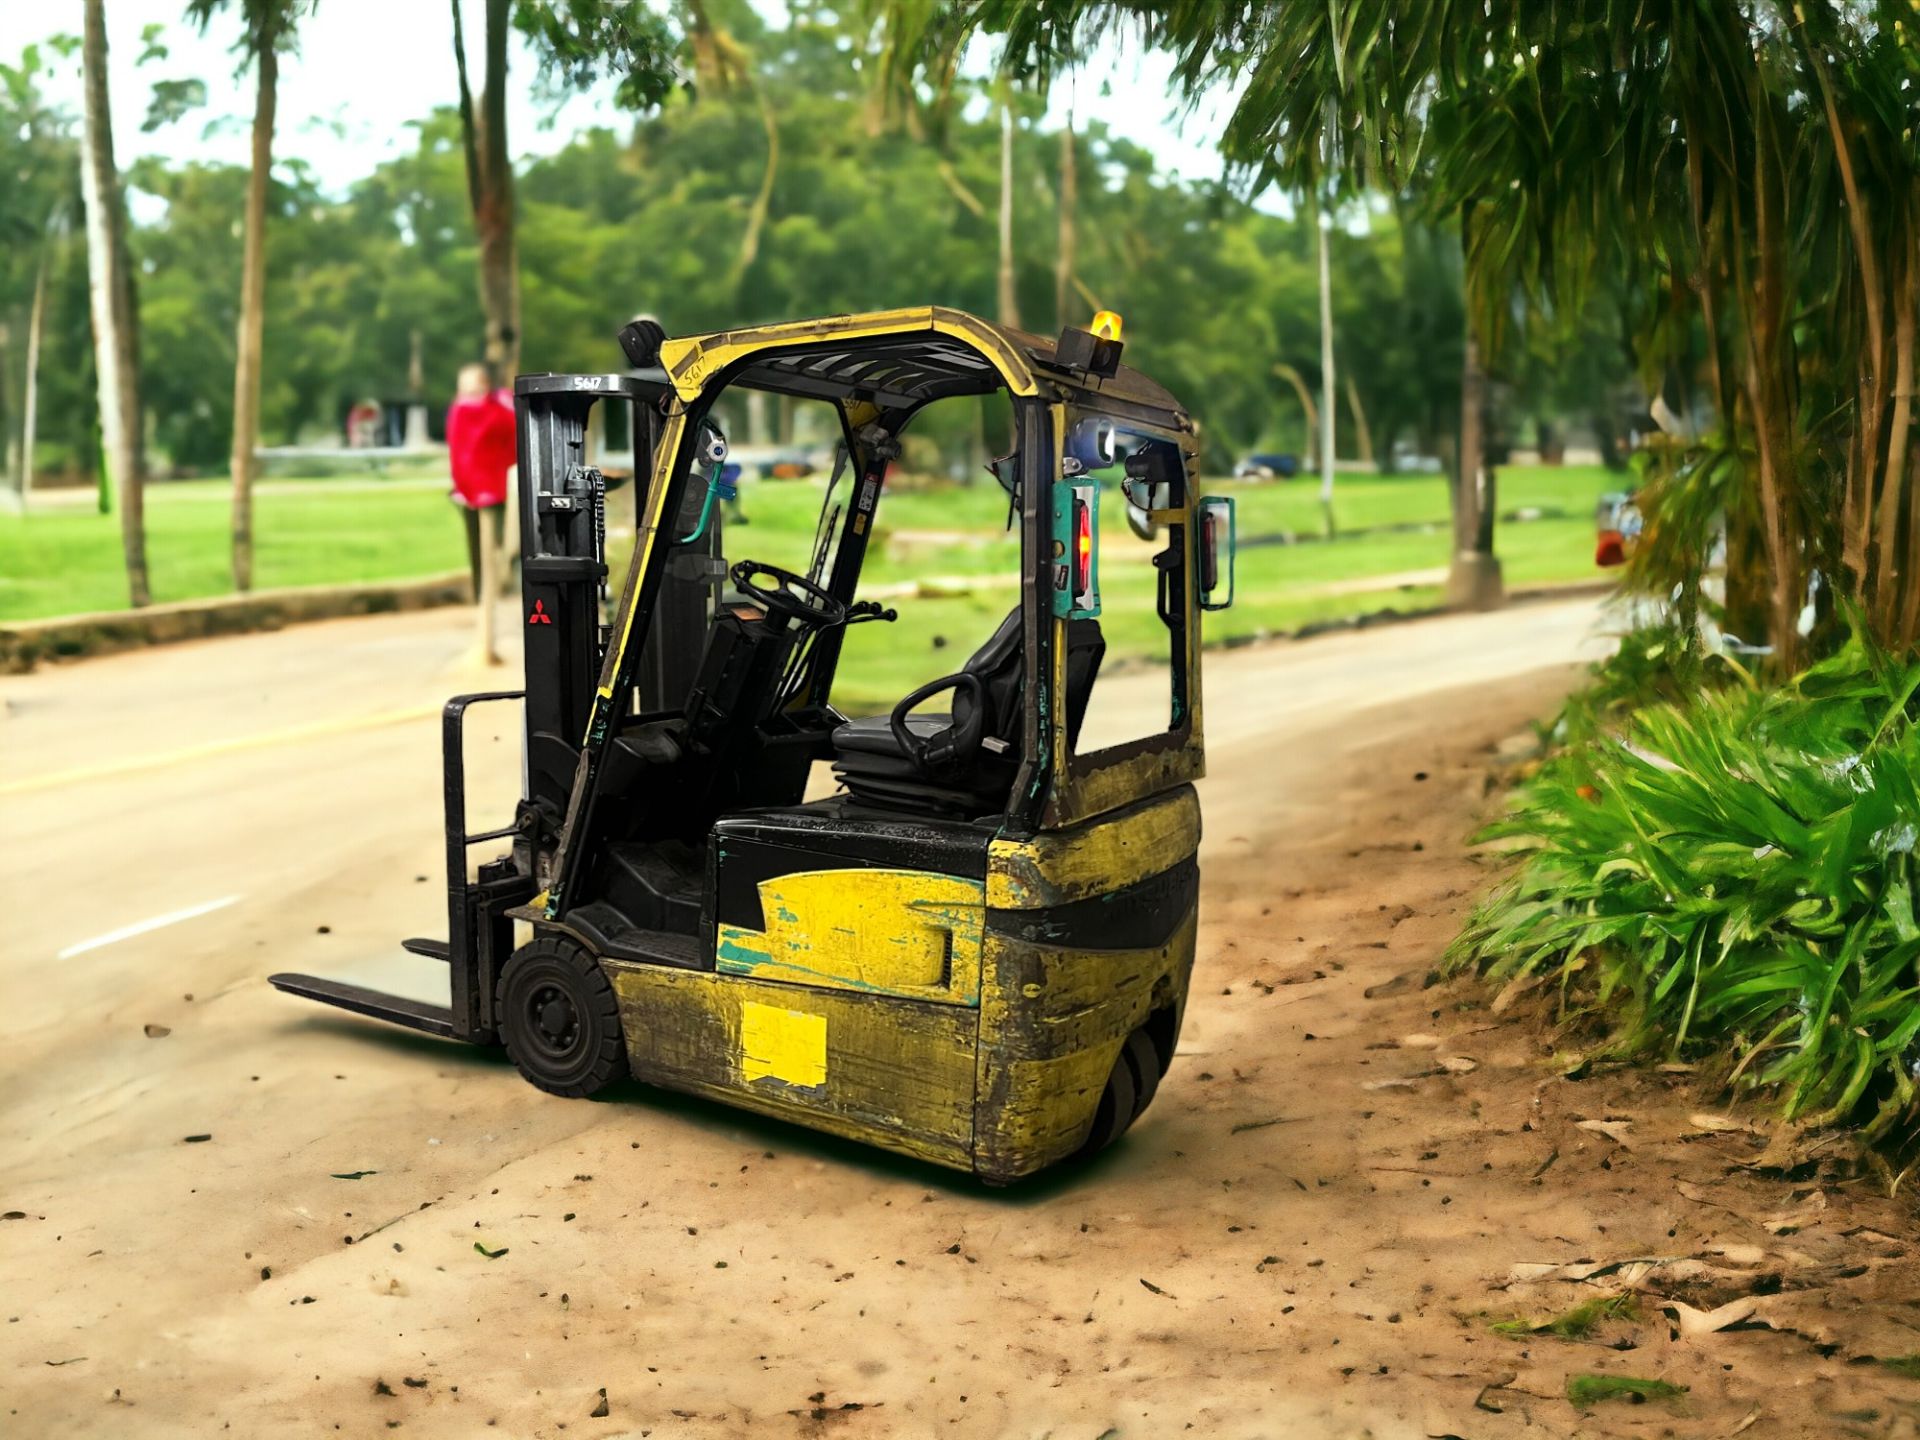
(740, 959)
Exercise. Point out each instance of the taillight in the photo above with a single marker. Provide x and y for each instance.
(1075, 561)
(1082, 548)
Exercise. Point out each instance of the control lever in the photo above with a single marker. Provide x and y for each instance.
(870, 610)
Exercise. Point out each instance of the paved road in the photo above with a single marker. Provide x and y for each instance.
(176, 824)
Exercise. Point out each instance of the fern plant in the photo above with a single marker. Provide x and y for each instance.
(1734, 870)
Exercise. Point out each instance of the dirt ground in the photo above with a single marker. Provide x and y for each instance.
(228, 1213)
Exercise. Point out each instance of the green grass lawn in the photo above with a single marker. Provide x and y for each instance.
(62, 559)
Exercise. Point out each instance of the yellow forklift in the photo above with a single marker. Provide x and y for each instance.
(976, 951)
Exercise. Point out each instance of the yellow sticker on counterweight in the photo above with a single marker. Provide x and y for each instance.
(778, 1044)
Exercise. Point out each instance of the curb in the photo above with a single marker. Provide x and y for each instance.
(25, 643)
(1370, 619)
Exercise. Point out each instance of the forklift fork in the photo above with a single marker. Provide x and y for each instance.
(480, 936)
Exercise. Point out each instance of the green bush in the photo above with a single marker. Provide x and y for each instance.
(1733, 870)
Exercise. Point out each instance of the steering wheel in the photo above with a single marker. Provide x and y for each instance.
(947, 751)
(795, 598)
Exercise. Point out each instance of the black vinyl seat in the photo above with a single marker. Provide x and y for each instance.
(963, 762)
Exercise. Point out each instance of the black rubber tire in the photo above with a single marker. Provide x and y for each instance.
(1145, 1060)
(559, 1019)
(1115, 1112)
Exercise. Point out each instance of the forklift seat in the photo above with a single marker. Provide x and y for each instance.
(962, 763)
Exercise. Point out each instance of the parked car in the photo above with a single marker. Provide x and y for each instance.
(1267, 466)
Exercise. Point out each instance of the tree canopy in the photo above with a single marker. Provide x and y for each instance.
(874, 200)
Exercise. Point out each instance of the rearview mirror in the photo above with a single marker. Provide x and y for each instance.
(1213, 550)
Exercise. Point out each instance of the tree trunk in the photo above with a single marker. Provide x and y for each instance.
(110, 289)
(10, 459)
(253, 307)
(1473, 577)
(1009, 300)
(1329, 401)
(1896, 563)
(30, 402)
(1768, 371)
(1363, 437)
(762, 201)
(1069, 242)
(1312, 411)
(1471, 461)
(490, 190)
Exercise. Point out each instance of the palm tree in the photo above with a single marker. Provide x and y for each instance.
(483, 129)
(110, 287)
(1752, 161)
(1067, 244)
(1323, 227)
(267, 25)
(1009, 299)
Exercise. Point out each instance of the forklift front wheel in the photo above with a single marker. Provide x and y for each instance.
(559, 1018)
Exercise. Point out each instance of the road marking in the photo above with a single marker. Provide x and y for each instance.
(141, 927)
(116, 768)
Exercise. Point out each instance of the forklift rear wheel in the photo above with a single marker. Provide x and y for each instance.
(559, 1018)
(1145, 1060)
(1116, 1110)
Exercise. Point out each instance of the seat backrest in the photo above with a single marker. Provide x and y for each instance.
(1086, 648)
(1000, 664)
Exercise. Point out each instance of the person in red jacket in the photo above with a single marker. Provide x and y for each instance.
(480, 448)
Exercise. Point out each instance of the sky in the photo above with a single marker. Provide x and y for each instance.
(365, 68)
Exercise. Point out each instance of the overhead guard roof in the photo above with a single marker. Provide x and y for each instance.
(896, 358)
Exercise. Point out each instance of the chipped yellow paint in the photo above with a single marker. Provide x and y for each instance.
(899, 1073)
(1097, 857)
(1052, 1021)
(781, 1044)
(887, 932)
(691, 361)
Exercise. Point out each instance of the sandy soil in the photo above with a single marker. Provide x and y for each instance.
(230, 1213)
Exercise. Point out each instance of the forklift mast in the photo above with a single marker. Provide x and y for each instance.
(563, 576)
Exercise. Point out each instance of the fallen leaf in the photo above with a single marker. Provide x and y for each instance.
(1154, 1288)
(1395, 1082)
(1696, 1323)
(1420, 1042)
(1459, 1064)
(354, 1174)
(158, 1032)
(1614, 1130)
(1513, 990)
(490, 1254)
(1485, 1399)
(1398, 985)
(1717, 1124)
